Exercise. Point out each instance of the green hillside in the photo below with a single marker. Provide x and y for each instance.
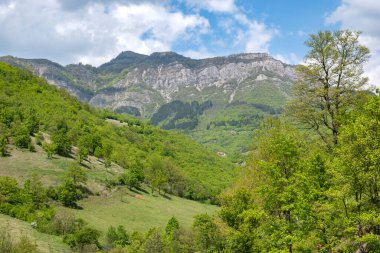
(203, 106)
(30, 105)
(63, 162)
(137, 210)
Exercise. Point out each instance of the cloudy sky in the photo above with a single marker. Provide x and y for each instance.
(95, 31)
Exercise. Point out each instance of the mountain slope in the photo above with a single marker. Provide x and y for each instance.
(240, 89)
(26, 100)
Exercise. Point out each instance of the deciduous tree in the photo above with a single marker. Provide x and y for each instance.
(327, 82)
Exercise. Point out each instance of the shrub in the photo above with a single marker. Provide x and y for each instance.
(117, 236)
(83, 237)
(22, 140)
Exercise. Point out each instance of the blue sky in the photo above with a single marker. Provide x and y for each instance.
(291, 22)
(95, 31)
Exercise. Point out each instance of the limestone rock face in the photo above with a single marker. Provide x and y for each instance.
(163, 82)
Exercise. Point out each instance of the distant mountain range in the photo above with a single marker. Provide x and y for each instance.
(218, 101)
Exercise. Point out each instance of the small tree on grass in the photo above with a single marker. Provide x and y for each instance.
(156, 175)
(171, 227)
(34, 187)
(82, 154)
(69, 194)
(77, 174)
(62, 142)
(49, 149)
(130, 178)
(71, 190)
(21, 138)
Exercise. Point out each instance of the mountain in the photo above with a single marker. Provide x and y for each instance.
(203, 98)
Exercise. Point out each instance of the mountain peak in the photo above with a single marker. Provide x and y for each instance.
(129, 54)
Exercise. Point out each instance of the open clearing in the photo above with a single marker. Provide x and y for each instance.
(136, 211)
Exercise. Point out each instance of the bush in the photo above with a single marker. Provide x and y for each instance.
(62, 142)
(69, 194)
(64, 222)
(155, 242)
(83, 237)
(49, 148)
(117, 236)
(22, 140)
(130, 178)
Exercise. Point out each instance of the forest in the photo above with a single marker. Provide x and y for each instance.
(311, 182)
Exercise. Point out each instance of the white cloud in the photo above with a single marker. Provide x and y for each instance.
(94, 33)
(290, 58)
(214, 5)
(202, 53)
(363, 15)
(255, 36)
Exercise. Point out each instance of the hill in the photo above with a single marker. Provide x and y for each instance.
(29, 105)
(239, 90)
(107, 147)
(137, 209)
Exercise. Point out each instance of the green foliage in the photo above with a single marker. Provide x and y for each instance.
(154, 242)
(29, 203)
(77, 174)
(117, 236)
(3, 145)
(357, 172)
(156, 174)
(82, 237)
(131, 179)
(72, 188)
(179, 115)
(171, 227)
(326, 85)
(50, 149)
(21, 137)
(69, 193)
(62, 142)
(34, 187)
(208, 236)
(32, 105)
(233, 206)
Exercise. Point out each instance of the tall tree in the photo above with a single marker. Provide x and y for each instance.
(327, 82)
(280, 217)
(357, 175)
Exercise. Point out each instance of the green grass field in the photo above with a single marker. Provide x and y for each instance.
(45, 243)
(138, 211)
(134, 210)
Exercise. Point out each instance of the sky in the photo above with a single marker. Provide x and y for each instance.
(95, 31)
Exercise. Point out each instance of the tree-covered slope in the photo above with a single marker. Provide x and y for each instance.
(165, 88)
(30, 106)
